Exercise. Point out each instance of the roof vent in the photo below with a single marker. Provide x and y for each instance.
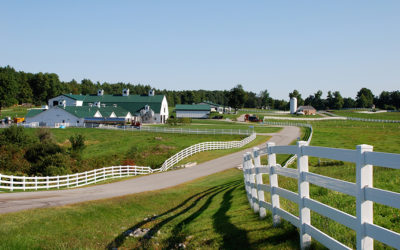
(125, 92)
(152, 92)
(97, 104)
(100, 92)
(103, 105)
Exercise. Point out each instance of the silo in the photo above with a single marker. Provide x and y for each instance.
(293, 105)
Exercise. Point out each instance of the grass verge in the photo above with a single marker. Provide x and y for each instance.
(211, 212)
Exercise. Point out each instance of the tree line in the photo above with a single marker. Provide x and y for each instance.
(18, 87)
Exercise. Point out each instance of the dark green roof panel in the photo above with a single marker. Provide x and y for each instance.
(33, 112)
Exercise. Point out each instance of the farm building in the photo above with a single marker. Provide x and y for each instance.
(74, 116)
(217, 107)
(192, 111)
(149, 108)
(306, 110)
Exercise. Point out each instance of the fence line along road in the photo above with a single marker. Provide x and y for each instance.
(362, 190)
(335, 117)
(11, 182)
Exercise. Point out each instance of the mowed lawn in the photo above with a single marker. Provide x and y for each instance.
(348, 134)
(110, 147)
(379, 115)
(218, 124)
(211, 213)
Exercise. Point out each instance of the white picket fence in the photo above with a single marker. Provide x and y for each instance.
(11, 182)
(362, 190)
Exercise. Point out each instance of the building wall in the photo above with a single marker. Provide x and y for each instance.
(164, 112)
(192, 114)
(69, 101)
(55, 115)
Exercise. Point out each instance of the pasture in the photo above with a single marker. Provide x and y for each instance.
(348, 134)
(378, 116)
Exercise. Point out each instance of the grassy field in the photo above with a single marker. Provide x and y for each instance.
(348, 134)
(112, 147)
(217, 124)
(211, 213)
(379, 116)
(13, 112)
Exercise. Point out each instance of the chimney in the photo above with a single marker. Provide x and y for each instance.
(152, 92)
(125, 92)
(100, 92)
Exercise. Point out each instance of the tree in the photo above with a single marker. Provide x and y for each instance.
(296, 94)
(365, 98)
(337, 100)
(8, 90)
(265, 99)
(237, 97)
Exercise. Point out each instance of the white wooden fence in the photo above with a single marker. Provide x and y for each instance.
(196, 131)
(205, 146)
(362, 190)
(72, 180)
(11, 182)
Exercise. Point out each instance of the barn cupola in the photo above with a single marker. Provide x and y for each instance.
(100, 92)
(152, 92)
(125, 92)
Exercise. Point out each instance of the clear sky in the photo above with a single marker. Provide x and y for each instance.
(275, 45)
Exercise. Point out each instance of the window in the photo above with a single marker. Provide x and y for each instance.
(77, 121)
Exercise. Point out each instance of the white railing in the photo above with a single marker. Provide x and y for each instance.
(205, 146)
(362, 190)
(181, 130)
(334, 117)
(294, 157)
(71, 180)
(11, 182)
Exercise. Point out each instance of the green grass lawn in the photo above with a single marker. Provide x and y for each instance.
(348, 134)
(217, 124)
(211, 213)
(379, 116)
(13, 112)
(110, 147)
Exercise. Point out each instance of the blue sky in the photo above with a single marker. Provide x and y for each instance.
(274, 45)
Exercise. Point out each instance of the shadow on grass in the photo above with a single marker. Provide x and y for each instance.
(176, 234)
(119, 240)
(232, 236)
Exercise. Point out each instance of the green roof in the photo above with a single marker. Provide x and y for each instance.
(86, 111)
(211, 103)
(81, 112)
(33, 112)
(195, 107)
(132, 103)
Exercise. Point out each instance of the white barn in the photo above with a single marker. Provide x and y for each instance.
(193, 111)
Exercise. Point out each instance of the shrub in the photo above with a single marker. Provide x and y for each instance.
(12, 160)
(16, 136)
(45, 135)
(77, 145)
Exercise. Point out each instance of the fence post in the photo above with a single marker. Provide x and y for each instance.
(23, 182)
(67, 180)
(47, 182)
(104, 173)
(304, 192)
(0, 180)
(58, 182)
(35, 182)
(364, 208)
(120, 171)
(85, 177)
(253, 186)
(273, 182)
(95, 177)
(12, 183)
(246, 179)
(259, 181)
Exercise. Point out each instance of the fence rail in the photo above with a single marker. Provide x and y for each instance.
(11, 182)
(362, 190)
(182, 130)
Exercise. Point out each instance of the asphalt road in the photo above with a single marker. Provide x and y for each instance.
(12, 202)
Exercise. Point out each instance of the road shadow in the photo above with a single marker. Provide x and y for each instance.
(194, 199)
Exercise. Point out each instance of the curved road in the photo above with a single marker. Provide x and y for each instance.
(12, 202)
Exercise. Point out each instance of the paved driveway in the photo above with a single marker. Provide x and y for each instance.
(12, 202)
